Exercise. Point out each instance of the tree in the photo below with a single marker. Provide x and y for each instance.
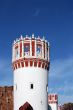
(67, 106)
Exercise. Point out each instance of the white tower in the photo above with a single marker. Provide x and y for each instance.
(30, 61)
(53, 101)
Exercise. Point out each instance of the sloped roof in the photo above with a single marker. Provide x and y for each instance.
(26, 106)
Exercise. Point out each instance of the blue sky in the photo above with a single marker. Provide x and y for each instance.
(54, 20)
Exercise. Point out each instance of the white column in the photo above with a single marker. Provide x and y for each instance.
(30, 47)
(45, 51)
(42, 49)
(22, 48)
(18, 50)
(13, 53)
(48, 52)
(35, 48)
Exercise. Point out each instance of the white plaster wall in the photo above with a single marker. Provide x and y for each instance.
(38, 96)
(53, 106)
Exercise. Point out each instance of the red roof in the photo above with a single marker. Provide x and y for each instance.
(26, 106)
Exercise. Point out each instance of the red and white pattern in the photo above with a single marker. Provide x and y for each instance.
(52, 98)
(30, 62)
(30, 52)
(59, 107)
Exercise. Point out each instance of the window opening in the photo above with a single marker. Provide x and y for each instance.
(31, 86)
(16, 53)
(26, 49)
(39, 50)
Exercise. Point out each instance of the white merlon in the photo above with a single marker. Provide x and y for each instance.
(38, 37)
(48, 44)
(14, 42)
(32, 35)
(21, 37)
(43, 38)
(26, 36)
(17, 39)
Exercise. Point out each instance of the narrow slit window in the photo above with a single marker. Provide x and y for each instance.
(31, 86)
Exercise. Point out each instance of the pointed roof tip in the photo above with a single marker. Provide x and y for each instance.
(43, 37)
(33, 35)
(17, 39)
(38, 37)
(14, 42)
(48, 44)
(26, 36)
(21, 37)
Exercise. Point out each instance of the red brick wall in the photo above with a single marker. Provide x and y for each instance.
(6, 98)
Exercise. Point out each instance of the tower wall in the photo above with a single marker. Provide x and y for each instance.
(30, 63)
(36, 96)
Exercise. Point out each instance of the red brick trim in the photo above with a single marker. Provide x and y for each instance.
(29, 62)
(33, 48)
(51, 102)
(20, 49)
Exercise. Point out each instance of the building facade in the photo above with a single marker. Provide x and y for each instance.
(6, 100)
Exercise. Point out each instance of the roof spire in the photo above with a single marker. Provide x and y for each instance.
(43, 37)
(21, 37)
(32, 35)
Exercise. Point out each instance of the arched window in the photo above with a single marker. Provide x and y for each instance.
(39, 50)
(26, 49)
(16, 52)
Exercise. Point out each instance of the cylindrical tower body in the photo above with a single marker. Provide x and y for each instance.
(53, 101)
(30, 61)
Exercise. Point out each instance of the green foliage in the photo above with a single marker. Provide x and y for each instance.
(67, 106)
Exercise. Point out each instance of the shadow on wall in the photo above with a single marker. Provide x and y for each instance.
(49, 107)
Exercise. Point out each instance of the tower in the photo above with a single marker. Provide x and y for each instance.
(30, 62)
(53, 101)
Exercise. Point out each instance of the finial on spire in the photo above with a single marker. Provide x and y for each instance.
(48, 44)
(26, 36)
(14, 42)
(32, 35)
(17, 40)
(21, 37)
(38, 37)
(43, 38)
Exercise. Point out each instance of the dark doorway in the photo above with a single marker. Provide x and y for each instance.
(26, 106)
